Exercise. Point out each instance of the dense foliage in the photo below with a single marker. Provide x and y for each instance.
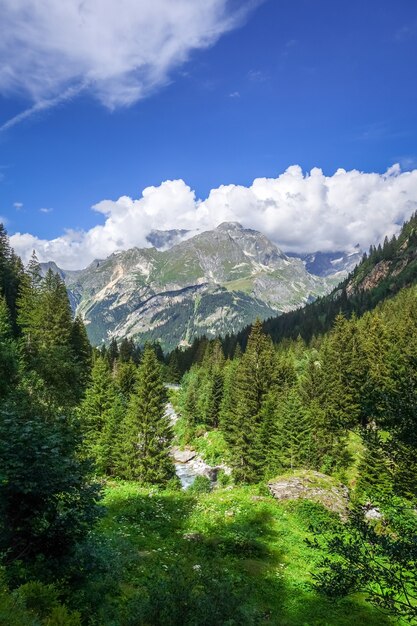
(73, 418)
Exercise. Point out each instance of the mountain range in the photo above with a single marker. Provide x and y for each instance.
(212, 283)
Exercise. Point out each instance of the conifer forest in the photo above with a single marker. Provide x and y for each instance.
(299, 437)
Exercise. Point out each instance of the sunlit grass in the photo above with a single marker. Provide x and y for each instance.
(237, 539)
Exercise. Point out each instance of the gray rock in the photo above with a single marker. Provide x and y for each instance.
(314, 486)
(372, 513)
(182, 456)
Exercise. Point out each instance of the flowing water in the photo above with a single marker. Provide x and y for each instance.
(186, 473)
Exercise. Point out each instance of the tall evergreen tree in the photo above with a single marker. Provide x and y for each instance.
(375, 476)
(125, 378)
(82, 350)
(146, 435)
(8, 352)
(97, 413)
(45, 320)
(113, 352)
(11, 273)
(343, 374)
(173, 369)
(126, 350)
(255, 376)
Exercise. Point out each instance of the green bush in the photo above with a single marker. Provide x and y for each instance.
(34, 604)
(201, 484)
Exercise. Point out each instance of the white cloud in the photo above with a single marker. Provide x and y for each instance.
(300, 212)
(18, 205)
(119, 50)
(45, 210)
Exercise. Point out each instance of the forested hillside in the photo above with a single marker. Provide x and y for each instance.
(383, 271)
(307, 511)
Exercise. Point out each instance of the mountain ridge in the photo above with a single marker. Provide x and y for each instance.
(213, 283)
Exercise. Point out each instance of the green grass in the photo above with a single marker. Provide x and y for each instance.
(212, 447)
(231, 557)
(240, 284)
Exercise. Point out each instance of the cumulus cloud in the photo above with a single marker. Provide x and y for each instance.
(119, 50)
(301, 212)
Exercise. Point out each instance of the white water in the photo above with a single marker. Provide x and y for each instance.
(186, 473)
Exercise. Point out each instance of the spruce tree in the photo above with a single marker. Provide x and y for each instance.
(255, 376)
(189, 397)
(113, 352)
(8, 352)
(82, 351)
(97, 413)
(11, 273)
(126, 350)
(375, 476)
(45, 319)
(343, 372)
(125, 378)
(173, 370)
(291, 442)
(146, 435)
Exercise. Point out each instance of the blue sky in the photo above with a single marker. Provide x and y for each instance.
(319, 84)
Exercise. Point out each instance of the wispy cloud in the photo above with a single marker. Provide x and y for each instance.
(119, 51)
(257, 76)
(18, 206)
(234, 94)
(39, 107)
(45, 210)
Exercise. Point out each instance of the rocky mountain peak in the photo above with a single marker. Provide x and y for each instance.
(226, 226)
(212, 283)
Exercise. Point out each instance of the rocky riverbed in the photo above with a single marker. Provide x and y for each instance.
(188, 465)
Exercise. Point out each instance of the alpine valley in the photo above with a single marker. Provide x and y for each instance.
(212, 284)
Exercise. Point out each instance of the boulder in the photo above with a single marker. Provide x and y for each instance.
(314, 486)
(182, 456)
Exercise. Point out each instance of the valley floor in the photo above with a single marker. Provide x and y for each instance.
(232, 557)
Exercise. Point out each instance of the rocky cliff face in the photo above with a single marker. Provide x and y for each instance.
(389, 267)
(213, 283)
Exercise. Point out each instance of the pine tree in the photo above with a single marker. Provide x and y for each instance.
(126, 350)
(146, 434)
(228, 398)
(45, 319)
(343, 372)
(82, 351)
(189, 397)
(291, 444)
(107, 451)
(11, 273)
(96, 412)
(125, 378)
(8, 352)
(216, 395)
(255, 376)
(113, 352)
(173, 370)
(375, 475)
